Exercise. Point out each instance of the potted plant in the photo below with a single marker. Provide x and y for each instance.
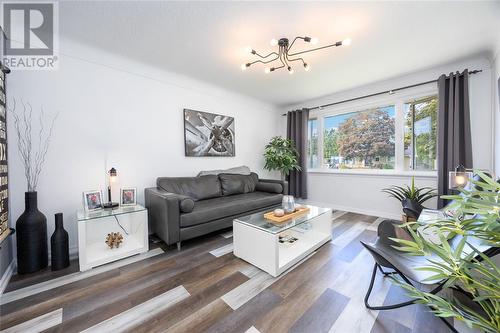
(411, 197)
(280, 155)
(473, 275)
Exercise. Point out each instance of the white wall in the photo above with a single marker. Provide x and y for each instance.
(362, 192)
(114, 112)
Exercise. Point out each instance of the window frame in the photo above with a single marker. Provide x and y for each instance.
(397, 99)
(413, 102)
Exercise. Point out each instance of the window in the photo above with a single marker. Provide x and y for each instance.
(420, 119)
(394, 132)
(360, 140)
(312, 143)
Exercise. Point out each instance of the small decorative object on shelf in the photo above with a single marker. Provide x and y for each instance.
(112, 178)
(279, 212)
(59, 245)
(114, 239)
(288, 204)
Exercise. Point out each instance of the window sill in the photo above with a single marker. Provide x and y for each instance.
(387, 173)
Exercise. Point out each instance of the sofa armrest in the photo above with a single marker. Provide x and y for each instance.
(284, 183)
(163, 214)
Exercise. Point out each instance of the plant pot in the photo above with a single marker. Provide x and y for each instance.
(405, 218)
(31, 236)
(59, 245)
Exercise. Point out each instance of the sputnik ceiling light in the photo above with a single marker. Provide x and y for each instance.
(284, 57)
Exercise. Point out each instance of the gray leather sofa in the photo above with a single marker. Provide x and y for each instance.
(181, 208)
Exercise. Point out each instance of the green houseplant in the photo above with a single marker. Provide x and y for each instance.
(475, 214)
(411, 196)
(418, 195)
(280, 155)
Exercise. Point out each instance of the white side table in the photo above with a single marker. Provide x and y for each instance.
(93, 227)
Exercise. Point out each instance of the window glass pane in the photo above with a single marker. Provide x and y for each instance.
(420, 134)
(312, 143)
(360, 140)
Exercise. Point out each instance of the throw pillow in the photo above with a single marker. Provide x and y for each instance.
(238, 184)
(241, 170)
(269, 187)
(186, 204)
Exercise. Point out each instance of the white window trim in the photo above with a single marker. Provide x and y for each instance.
(398, 100)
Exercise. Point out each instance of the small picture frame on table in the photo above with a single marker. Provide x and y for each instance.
(128, 196)
(92, 200)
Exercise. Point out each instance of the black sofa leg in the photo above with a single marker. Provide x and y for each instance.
(178, 246)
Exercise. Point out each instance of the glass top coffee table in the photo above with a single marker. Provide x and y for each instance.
(275, 247)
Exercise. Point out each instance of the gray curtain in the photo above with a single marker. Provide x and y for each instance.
(454, 135)
(296, 130)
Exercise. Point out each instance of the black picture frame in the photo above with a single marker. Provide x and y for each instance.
(208, 134)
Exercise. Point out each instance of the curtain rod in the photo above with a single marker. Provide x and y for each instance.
(392, 91)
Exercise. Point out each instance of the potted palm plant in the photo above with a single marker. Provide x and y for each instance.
(411, 196)
(280, 155)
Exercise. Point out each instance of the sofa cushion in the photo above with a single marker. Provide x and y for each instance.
(212, 209)
(198, 188)
(269, 187)
(237, 184)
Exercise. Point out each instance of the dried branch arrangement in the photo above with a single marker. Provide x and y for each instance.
(32, 146)
(114, 239)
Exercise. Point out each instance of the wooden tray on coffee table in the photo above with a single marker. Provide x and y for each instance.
(300, 211)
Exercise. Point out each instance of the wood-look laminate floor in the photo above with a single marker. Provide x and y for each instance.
(204, 288)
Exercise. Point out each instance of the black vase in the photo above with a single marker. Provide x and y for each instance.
(59, 246)
(31, 236)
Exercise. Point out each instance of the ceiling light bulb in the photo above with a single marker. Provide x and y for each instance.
(274, 42)
(243, 67)
(307, 67)
(267, 70)
(346, 42)
(290, 71)
(314, 40)
(248, 49)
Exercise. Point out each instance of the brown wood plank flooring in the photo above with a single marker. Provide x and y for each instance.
(324, 293)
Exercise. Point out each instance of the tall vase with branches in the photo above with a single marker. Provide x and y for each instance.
(33, 144)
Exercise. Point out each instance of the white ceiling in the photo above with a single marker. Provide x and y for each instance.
(205, 40)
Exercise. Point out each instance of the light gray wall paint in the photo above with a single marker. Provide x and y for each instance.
(115, 112)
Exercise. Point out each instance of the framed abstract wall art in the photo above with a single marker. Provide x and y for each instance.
(208, 134)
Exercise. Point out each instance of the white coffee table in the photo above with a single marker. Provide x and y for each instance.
(257, 240)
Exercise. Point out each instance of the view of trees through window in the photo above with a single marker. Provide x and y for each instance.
(420, 134)
(360, 140)
(312, 144)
